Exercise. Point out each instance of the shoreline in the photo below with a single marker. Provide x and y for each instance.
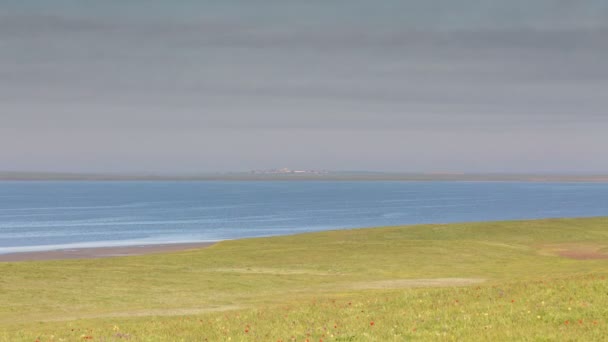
(101, 252)
(143, 249)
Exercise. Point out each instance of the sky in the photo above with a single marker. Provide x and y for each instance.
(384, 85)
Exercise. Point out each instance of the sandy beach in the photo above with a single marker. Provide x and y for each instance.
(101, 252)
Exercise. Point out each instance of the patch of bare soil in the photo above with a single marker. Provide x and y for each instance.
(411, 283)
(584, 255)
(576, 251)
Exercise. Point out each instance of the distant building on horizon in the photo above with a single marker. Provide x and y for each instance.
(285, 171)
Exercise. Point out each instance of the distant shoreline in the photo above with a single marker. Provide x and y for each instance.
(334, 176)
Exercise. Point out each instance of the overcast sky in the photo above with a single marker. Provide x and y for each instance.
(388, 85)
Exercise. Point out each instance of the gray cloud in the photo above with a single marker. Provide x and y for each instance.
(76, 79)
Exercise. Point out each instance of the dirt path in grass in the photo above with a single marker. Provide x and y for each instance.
(134, 313)
(410, 283)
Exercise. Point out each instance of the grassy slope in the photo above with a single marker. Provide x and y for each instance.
(328, 285)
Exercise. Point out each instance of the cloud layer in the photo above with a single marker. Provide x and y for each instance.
(391, 85)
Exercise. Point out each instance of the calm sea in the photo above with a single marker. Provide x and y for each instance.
(53, 215)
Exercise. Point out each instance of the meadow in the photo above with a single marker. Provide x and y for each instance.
(516, 280)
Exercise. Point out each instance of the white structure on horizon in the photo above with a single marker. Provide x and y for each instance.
(288, 171)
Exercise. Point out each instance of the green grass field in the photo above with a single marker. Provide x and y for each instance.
(519, 280)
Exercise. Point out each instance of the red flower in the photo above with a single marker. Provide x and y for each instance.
(371, 323)
(246, 330)
(567, 322)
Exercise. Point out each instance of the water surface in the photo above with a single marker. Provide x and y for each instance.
(52, 215)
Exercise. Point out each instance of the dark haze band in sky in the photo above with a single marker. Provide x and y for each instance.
(187, 86)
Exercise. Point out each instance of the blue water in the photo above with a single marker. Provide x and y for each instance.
(52, 215)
